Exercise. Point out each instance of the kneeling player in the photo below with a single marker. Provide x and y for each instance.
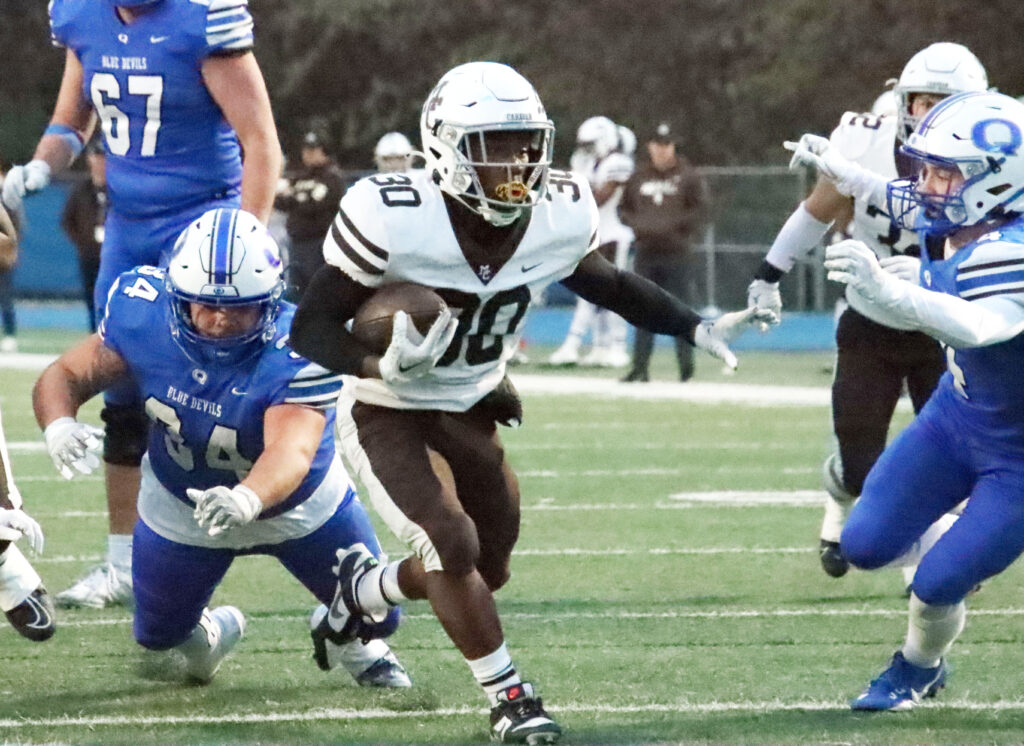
(240, 459)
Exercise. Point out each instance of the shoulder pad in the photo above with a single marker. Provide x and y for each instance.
(993, 266)
(228, 26)
(858, 134)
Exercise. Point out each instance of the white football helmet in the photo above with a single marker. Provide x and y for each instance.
(943, 68)
(224, 258)
(981, 134)
(627, 140)
(393, 152)
(469, 102)
(598, 136)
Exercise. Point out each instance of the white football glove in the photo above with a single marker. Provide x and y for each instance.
(852, 263)
(714, 336)
(404, 359)
(905, 267)
(15, 524)
(73, 445)
(849, 179)
(764, 296)
(220, 508)
(22, 180)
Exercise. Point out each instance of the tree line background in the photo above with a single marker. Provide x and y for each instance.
(735, 78)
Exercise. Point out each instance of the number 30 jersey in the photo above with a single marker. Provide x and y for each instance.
(870, 141)
(207, 418)
(396, 228)
(168, 144)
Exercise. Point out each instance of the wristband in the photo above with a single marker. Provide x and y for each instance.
(68, 135)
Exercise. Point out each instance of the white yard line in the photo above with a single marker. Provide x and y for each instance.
(684, 707)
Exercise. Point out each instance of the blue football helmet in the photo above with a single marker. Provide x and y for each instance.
(225, 258)
(981, 136)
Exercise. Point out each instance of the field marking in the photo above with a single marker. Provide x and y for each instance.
(25, 360)
(811, 611)
(684, 707)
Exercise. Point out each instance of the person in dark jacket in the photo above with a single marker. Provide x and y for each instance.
(83, 218)
(309, 196)
(665, 202)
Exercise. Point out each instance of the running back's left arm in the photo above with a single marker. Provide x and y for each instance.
(636, 299)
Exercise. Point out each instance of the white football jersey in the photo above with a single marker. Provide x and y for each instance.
(617, 168)
(869, 140)
(395, 228)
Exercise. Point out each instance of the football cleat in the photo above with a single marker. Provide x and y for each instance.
(370, 663)
(636, 376)
(344, 619)
(519, 717)
(901, 686)
(104, 585)
(218, 631)
(567, 354)
(33, 617)
(832, 560)
(385, 673)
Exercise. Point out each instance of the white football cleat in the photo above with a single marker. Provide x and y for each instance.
(567, 354)
(218, 631)
(104, 585)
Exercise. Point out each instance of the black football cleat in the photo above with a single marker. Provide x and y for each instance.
(519, 717)
(832, 560)
(33, 618)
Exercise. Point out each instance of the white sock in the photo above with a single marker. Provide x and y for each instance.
(119, 551)
(378, 590)
(931, 631)
(495, 672)
(921, 547)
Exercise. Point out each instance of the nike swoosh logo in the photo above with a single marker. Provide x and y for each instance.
(406, 370)
(237, 391)
(157, 39)
(524, 268)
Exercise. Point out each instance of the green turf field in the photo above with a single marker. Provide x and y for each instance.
(665, 589)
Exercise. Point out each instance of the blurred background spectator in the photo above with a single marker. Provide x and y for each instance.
(665, 202)
(309, 196)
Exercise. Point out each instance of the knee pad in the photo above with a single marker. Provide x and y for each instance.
(832, 479)
(124, 442)
(456, 544)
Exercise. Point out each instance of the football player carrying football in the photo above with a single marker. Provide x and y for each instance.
(873, 362)
(178, 94)
(240, 457)
(968, 439)
(488, 225)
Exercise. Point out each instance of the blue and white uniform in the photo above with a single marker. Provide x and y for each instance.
(968, 441)
(171, 155)
(208, 430)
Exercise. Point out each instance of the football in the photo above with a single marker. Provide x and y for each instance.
(371, 325)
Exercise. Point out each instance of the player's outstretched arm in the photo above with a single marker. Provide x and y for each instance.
(642, 303)
(291, 436)
(75, 377)
(886, 298)
(318, 329)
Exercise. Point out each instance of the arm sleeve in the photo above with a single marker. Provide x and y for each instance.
(319, 331)
(954, 321)
(797, 238)
(636, 299)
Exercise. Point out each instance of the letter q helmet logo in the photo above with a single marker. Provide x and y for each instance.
(997, 136)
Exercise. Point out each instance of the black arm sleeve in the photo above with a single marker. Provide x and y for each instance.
(768, 272)
(636, 299)
(318, 329)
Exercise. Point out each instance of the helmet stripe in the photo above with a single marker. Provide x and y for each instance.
(222, 240)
